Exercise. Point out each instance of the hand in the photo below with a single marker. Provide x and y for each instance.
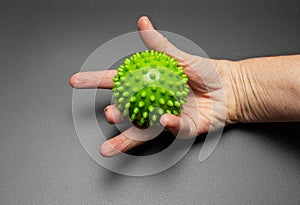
(208, 105)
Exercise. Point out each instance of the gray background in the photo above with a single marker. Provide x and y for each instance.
(41, 158)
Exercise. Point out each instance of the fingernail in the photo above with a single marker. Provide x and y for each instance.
(107, 150)
(73, 80)
(163, 120)
(105, 109)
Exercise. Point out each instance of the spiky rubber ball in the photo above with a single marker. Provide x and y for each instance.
(148, 85)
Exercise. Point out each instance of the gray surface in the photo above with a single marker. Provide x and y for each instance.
(41, 159)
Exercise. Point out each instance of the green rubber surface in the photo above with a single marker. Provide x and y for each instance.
(148, 85)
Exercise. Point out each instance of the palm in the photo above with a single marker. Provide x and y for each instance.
(197, 112)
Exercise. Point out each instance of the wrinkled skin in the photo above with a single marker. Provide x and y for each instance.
(223, 92)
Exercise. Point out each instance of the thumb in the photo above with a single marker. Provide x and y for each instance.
(154, 40)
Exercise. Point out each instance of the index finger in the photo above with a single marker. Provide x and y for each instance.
(93, 79)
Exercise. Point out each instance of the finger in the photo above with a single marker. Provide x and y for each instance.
(171, 122)
(129, 139)
(180, 126)
(121, 143)
(93, 79)
(113, 114)
(154, 40)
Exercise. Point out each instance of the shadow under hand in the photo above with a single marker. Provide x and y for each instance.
(283, 135)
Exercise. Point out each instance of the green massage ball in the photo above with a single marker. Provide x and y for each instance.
(148, 85)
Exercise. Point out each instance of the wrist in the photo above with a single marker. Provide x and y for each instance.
(266, 89)
(242, 89)
(240, 92)
(229, 74)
